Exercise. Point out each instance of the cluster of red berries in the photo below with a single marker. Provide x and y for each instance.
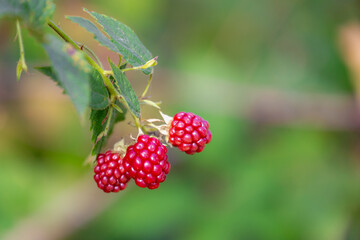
(146, 161)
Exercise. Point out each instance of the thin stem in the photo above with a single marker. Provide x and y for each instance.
(64, 36)
(122, 100)
(150, 129)
(136, 119)
(147, 86)
(128, 69)
(22, 62)
(150, 103)
(119, 61)
(21, 45)
(133, 68)
(91, 53)
(150, 63)
(108, 121)
(117, 108)
(108, 72)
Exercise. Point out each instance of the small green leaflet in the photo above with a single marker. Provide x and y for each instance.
(97, 126)
(126, 90)
(98, 123)
(72, 71)
(125, 40)
(99, 97)
(49, 71)
(99, 94)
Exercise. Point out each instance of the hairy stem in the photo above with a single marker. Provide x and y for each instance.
(147, 86)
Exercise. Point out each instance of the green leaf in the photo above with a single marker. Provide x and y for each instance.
(123, 66)
(103, 40)
(99, 94)
(126, 42)
(72, 71)
(126, 90)
(49, 71)
(13, 8)
(98, 123)
(35, 13)
(97, 126)
(99, 97)
(40, 12)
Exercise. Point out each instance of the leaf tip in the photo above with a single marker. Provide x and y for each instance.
(112, 65)
(68, 17)
(87, 11)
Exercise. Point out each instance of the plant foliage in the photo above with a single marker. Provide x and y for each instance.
(106, 94)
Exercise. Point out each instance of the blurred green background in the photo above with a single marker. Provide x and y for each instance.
(272, 79)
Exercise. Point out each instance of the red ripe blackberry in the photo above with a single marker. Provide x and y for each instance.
(110, 172)
(146, 162)
(189, 132)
